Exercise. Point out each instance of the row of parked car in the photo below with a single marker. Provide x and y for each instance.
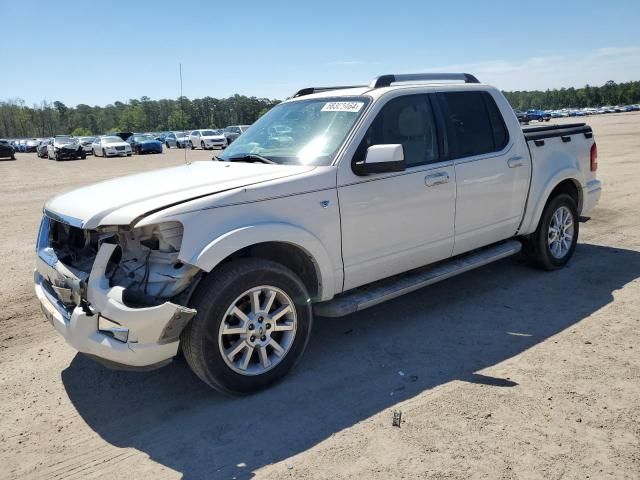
(63, 147)
(546, 115)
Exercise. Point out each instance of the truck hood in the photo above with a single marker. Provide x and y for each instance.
(125, 200)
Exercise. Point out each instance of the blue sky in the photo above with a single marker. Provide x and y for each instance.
(99, 52)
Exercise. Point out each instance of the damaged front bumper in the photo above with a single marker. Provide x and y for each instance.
(93, 317)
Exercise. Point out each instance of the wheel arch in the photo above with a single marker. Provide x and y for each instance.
(286, 244)
(564, 182)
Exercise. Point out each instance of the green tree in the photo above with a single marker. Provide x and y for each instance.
(81, 132)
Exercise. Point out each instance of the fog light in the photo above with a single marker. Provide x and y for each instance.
(113, 329)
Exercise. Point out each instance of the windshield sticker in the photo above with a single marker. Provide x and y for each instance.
(342, 106)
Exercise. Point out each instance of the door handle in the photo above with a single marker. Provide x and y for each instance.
(514, 162)
(436, 179)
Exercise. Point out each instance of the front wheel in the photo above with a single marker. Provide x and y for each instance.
(253, 324)
(552, 245)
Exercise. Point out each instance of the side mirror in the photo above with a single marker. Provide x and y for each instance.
(382, 159)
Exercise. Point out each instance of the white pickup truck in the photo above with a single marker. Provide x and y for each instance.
(335, 200)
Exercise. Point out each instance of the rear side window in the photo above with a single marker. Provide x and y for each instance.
(500, 132)
(474, 124)
(406, 120)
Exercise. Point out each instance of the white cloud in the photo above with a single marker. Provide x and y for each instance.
(555, 71)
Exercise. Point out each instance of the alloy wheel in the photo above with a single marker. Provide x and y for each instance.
(561, 232)
(258, 330)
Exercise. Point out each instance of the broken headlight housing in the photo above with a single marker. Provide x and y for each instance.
(148, 265)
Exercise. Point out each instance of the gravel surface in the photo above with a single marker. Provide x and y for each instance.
(504, 372)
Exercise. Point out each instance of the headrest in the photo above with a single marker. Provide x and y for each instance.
(411, 123)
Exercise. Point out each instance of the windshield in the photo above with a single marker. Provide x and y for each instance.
(112, 140)
(86, 139)
(303, 132)
(143, 138)
(65, 140)
(211, 133)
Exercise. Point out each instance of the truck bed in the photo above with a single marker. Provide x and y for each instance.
(554, 149)
(550, 131)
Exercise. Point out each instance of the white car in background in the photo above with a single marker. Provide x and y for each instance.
(87, 144)
(207, 139)
(110, 146)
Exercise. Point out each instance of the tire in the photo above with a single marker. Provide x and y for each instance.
(167, 145)
(13, 156)
(202, 146)
(539, 246)
(104, 153)
(191, 145)
(202, 340)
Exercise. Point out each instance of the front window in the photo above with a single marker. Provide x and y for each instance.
(211, 133)
(302, 132)
(143, 138)
(112, 140)
(65, 140)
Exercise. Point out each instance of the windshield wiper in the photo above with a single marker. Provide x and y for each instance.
(251, 158)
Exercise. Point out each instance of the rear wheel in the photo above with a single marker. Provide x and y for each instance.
(552, 244)
(252, 326)
(104, 153)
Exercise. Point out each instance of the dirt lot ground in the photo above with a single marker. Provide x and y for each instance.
(504, 372)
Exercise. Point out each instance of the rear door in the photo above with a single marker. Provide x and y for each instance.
(492, 169)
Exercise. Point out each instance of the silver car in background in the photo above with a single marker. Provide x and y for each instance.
(232, 132)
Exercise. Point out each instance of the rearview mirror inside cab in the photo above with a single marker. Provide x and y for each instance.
(382, 159)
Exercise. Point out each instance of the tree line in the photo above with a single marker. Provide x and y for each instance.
(611, 93)
(17, 120)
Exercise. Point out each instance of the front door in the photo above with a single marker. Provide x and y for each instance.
(394, 222)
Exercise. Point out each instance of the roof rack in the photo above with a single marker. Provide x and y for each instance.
(386, 80)
(309, 90)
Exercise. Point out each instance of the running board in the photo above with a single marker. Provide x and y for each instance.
(387, 289)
